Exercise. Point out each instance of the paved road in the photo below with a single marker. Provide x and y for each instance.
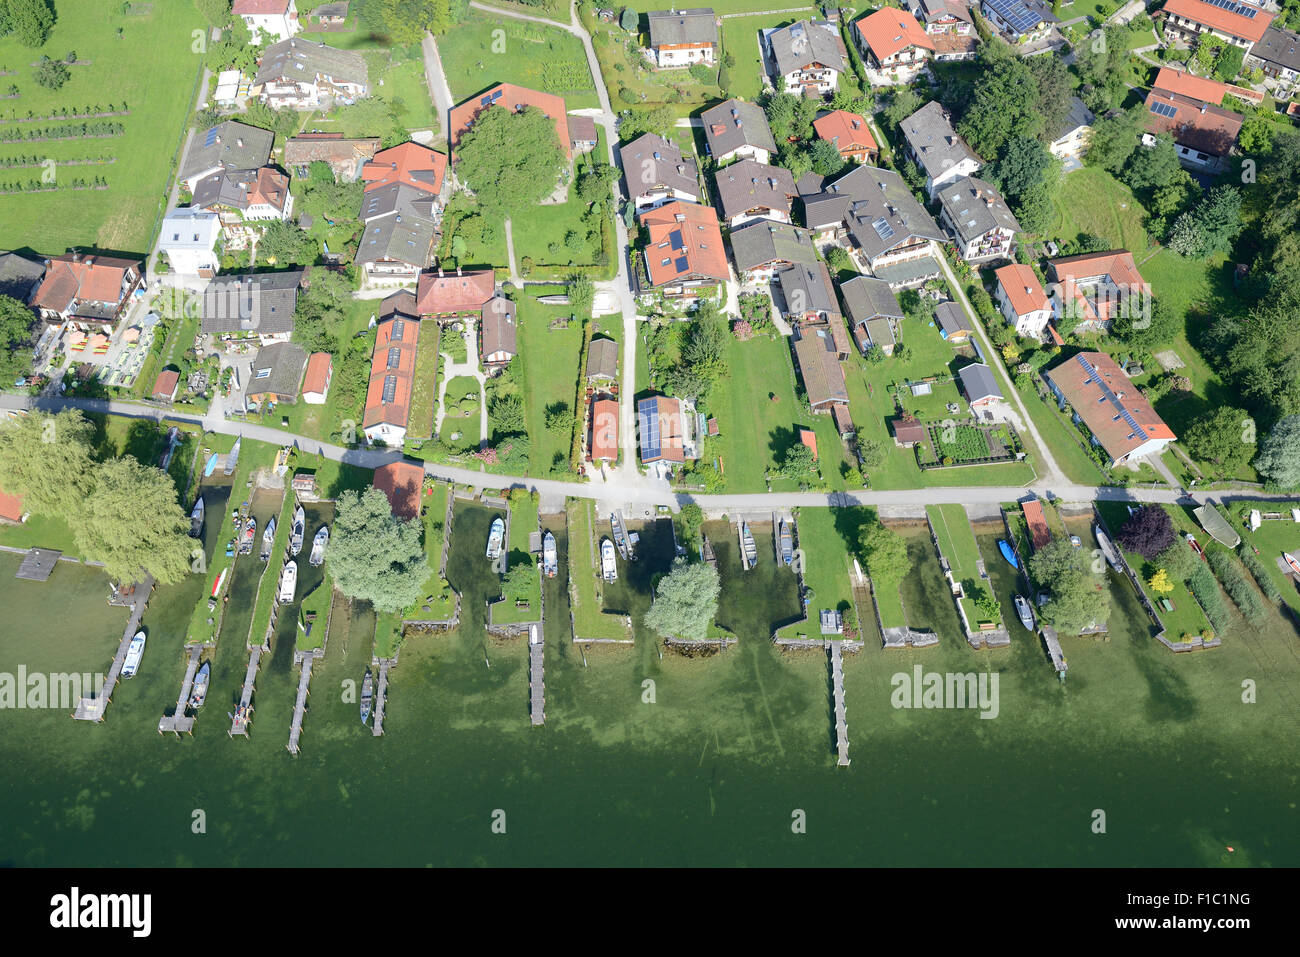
(437, 82)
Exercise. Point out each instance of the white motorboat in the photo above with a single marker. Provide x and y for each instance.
(133, 654)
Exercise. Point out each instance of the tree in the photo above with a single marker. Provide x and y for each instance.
(520, 579)
(16, 322)
(690, 522)
(511, 160)
(705, 350)
(31, 21)
(1160, 583)
(1279, 453)
(1211, 226)
(595, 183)
(686, 601)
(1002, 108)
(52, 74)
(508, 415)
(1077, 596)
(47, 460)
(1055, 88)
(885, 553)
(1141, 331)
(1178, 560)
(582, 293)
(1154, 166)
(840, 262)
(798, 463)
(628, 21)
(1114, 140)
(1225, 437)
(216, 12)
(871, 452)
(133, 523)
(559, 418)
(375, 556)
(826, 159)
(284, 244)
(407, 20)
(1148, 532)
(659, 120)
(985, 603)
(1023, 165)
(903, 102)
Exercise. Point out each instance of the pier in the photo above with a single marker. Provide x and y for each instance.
(300, 706)
(381, 696)
(841, 721)
(1054, 651)
(91, 707)
(243, 716)
(177, 721)
(536, 683)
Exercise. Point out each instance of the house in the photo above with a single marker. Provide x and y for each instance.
(582, 134)
(664, 430)
(1277, 53)
(446, 297)
(393, 249)
(602, 360)
(894, 47)
(873, 312)
(934, 146)
(277, 374)
(401, 482)
(1115, 411)
(392, 371)
(603, 439)
(806, 57)
(908, 430)
(1241, 24)
(656, 172)
(954, 324)
(1022, 300)
(1036, 520)
(88, 291)
(228, 145)
(888, 228)
(749, 190)
(980, 387)
(761, 248)
(735, 130)
(1093, 289)
(316, 382)
(1074, 134)
(806, 295)
(401, 206)
(331, 14)
(20, 277)
(515, 99)
(268, 20)
(245, 195)
(682, 37)
(247, 305)
(345, 155)
(188, 239)
(166, 386)
(950, 25)
(979, 220)
(1020, 21)
(685, 255)
(302, 75)
(1187, 108)
(498, 334)
(818, 358)
(848, 133)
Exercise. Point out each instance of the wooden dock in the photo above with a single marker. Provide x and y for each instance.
(91, 707)
(536, 682)
(381, 696)
(177, 721)
(841, 720)
(1054, 651)
(300, 706)
(243, 716)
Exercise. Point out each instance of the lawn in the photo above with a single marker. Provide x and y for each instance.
(462, 418)
(547, 373)
(539, 231)
(485, 50)
(740, 39)
(824, 550)
(396, 75)
(589, 618)
(439, 601)
(152, 68)
(1091, 201)
(424, 390)
(957, 542)
(619, 58)
(1272, 538)
(525, 602)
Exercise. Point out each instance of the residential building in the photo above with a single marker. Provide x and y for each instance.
(166, 386)
(749, 190)
(602, 360)
(894, 47)
(980, 387)
(245, 195)
(226, 146)
(680, 38)
(954, 324)
(20, 277)
(657, 172)
(806, 57)
(734, 130)
(664, 429)
(818, 356)
(685, 256)
(12, 510)
(582, 134)
(90, 292)
(1120, 418)
(394, 249)
(447, 297)
(498, 334)
(950, 25)
(873, 312)
(761, 248)
(231, 89)
(1093, 289)
(302, 75)
(935, 147)
(908, 430)
(392, 371)
(806, 295)
(316, 381)
(1241, 24)
(401, 482)
(848, 133)
(516, 99)
(268, 21)
(1187, 108)
(602, 445)
(1277, 53)
(250, 305)
(188, 239)
(1074, 134)
(345, 155)
(277, 374)
(979, 220)
(1022, 299)
(1020, 21)
(401, 206)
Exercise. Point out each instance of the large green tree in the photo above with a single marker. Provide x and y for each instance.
(1279, 453)
(374, 556)
(31, 21)
(47, 460)
(1003, 107)
(408, 20)
(1225, 436)
(133, 523)
(686, 601)
(511, 160)
(1078, 597)
(16, 322)
(885, 552)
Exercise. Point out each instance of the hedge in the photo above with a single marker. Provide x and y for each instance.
(1259, 572)
(1206, 590)
(1238, 587)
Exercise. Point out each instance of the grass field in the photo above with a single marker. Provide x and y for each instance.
(547, 374)
(589, 618)
(824, 537)
(756, 410)
(618, 55)
(538, 228)
(154, 70)
(523, 522)
(740, 39)
(957, 543)
(1272, 538)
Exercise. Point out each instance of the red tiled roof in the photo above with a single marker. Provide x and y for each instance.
(90, 278)
(1188, 84)
(1117, 266)
(1233, 24)
(1196, 123)
(1022, 288)
(604, 430)
(166, 383)
(11, 506)
(319, 365)
(396, 411)
(1102, 410)
(809, 438)
(512, 98)
(888, 30)
(684, 231)
(402, 483)
(409, 163)
(437, 294)
(271, 188)
(1036, 519)
(848, 131)
(244, 8)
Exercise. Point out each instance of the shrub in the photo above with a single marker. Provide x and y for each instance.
(1260, 573)
(1149, 532)
(1238, 586)
(1206, 590)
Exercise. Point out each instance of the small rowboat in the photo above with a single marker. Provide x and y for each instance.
(367, 696)
(1292, 562)
(1008, 553)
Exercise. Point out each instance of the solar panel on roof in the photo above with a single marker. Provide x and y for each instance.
(497, 95)
(1240, 9)
(399, 326)
(648, 413)
(1014, 12)
(211, 137)
(394, 356)
(681, 265)
(882, 228)
(675, 240)
(390, 388)
(1163, 109)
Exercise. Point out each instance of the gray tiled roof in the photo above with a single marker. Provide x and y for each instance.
(287, 363)
(807, 288)
(401, 198)
(602, 359)
(748, 184)
(650, 161)
(261, 303)
(407, 239)
(974, 207)
(807, 42)
(878, 209)
(952, 318)
(697, 25)
(932, 139)
(977, 382)
(763, 241)
(1279, 46)
(227, 145)
(866, 297)
(19, 276)
(499, 327)
(1078, 116)
(299, 60)
(735, 123)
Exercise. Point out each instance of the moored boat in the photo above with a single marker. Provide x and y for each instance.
(1107, 549)
(212, 464)
(318, 546)
(298, 530)
(1025, 612)
(196, 519)
(1196, 546)
(787, 543)
(133, 654)
(608, 560)
(232, 460)
(367, 696)
(550, 560)
(246, 539)
(1008, 553)
(1292, 563)
(621, 539)
(288, 583)
(268, 540)
(200, 690)
(496, 536)
(747, 545)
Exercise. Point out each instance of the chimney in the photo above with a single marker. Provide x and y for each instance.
(439, 272)
(457, 270)
(240, 142)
